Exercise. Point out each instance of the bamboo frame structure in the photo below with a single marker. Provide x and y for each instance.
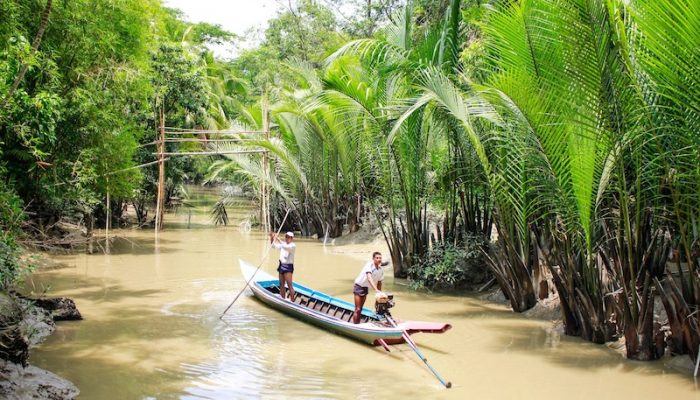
(161, 154)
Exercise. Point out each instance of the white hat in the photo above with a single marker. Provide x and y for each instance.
(290, 234)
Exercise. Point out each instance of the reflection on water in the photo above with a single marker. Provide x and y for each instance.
(152, 330)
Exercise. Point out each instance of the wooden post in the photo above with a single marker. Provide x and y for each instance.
(90, 225)
(264, 199)
(160, 201)
(107, 221)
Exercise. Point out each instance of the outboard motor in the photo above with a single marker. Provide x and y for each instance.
(382, 303)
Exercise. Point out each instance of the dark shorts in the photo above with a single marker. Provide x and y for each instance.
(360, 290)
(284, 268)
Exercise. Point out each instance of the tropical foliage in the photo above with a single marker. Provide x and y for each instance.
(80, 83)
(566, 131)
(448, 266)
(569, 126)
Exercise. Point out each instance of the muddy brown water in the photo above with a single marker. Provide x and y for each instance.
(152, 331)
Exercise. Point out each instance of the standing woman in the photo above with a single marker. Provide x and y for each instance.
(286, 262)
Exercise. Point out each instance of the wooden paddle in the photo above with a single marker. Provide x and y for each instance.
(256, 269)
(414, 346)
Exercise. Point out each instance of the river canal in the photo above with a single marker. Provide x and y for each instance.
(152, 331)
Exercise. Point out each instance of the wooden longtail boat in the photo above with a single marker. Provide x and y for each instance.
(332, 313)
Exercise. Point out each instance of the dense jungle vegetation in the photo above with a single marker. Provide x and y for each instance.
(566, 130)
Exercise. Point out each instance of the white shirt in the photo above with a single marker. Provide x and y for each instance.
(286, 251)
(377, 274)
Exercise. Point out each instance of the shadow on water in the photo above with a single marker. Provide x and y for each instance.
(122, 362)
(97, 290)
(541, 340)
(475, 309)
(134, 349)
(140, 246)
(120, 245)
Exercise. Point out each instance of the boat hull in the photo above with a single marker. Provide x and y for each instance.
(375, 330)
(364, 334)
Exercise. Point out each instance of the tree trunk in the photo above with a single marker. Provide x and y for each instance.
(35, 46)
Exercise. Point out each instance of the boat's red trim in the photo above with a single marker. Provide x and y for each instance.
(426, 327)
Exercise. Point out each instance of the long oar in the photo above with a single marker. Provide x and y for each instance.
(414, 346)
(256, 269)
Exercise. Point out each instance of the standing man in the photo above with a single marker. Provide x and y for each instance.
(372, 274)
(286, 262)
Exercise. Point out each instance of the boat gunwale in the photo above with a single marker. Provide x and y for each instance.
(320, 296)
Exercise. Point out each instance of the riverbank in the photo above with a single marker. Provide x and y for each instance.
(25, 323)
(359, 245)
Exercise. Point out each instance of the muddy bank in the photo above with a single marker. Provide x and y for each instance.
(30, 382)
(548, 310)
(24, 323)
(360, 244)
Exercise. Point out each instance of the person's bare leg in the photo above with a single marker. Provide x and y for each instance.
(359, 302)
(290, 285)
(283, 291)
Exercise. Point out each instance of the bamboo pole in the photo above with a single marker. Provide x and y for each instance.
(114, 172)
(208, 153)
(161, 170)
(207, 141)
(175, 130)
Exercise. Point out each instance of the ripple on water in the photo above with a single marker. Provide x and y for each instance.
(238, 370)
(243, 367)
(217, 292)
